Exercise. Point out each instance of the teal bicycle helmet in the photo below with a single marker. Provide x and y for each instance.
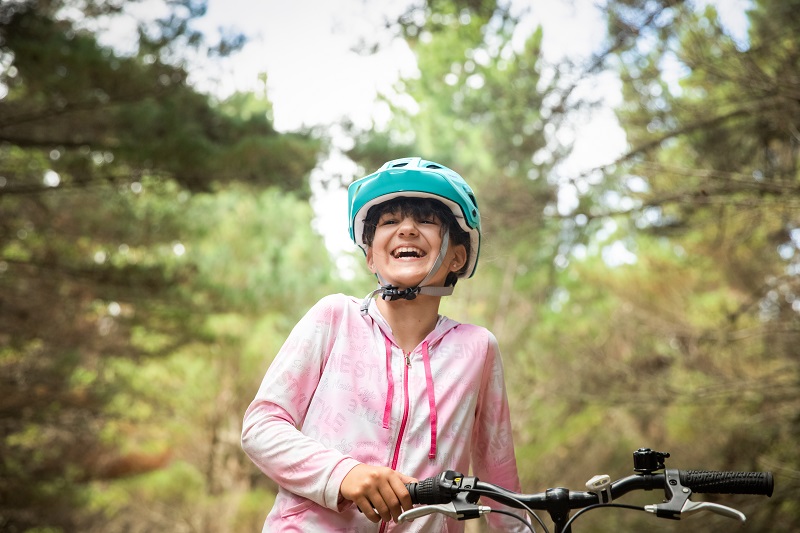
(417, 178)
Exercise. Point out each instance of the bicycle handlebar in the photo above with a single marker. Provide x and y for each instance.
(442, 488)
(710, 482)
(456, 495)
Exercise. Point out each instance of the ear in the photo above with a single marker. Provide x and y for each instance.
(459, 258)
(370, 261)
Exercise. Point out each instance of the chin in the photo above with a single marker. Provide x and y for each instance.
(404, 283)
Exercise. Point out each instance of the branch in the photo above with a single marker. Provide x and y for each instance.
(94, 104)
(620, 40)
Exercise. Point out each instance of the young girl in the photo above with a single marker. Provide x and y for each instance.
(366, 396)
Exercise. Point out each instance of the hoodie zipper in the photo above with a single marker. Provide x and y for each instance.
(403, 422)
(404, 419)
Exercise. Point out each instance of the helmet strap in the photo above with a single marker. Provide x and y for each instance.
(390, 293)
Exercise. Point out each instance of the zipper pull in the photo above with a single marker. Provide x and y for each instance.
(408, 359)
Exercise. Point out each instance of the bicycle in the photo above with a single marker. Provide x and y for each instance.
(456, 495)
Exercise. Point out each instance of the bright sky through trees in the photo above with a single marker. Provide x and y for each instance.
(314, 75)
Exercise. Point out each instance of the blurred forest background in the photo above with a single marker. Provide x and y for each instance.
(156, 247)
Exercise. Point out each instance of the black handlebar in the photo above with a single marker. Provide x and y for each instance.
(457, 494)
(759, 483)
(444, 487)
(433, 490)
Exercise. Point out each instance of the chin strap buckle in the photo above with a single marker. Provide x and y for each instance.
(391, 293)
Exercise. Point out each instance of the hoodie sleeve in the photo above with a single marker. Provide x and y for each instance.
(270, 434)
(493, 456)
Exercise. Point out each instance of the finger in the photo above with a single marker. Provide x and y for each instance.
(401, 492)
(380, 505)
(365, 506)
(391, 499)
(407, 479)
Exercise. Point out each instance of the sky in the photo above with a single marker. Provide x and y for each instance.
(314, 77)
(305, 46)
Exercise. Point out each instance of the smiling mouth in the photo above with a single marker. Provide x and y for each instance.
(407, 252)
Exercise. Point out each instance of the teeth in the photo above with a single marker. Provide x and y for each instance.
(408, 251)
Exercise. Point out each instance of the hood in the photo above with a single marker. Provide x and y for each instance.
(443, 325)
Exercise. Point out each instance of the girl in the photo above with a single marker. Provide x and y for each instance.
(363, 398)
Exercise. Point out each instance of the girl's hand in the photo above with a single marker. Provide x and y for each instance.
(378, 491)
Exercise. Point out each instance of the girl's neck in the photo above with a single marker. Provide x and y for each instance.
(411, 320)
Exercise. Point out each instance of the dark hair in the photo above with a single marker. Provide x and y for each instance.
(419, 209)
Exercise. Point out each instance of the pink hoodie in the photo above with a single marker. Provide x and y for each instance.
(340, 392)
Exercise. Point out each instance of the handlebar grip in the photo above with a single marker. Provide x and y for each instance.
(428, 491)
(711, 482)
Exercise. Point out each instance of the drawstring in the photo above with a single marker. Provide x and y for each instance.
(387, 411)
(431, 398)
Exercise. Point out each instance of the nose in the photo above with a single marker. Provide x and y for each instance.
(408, 226)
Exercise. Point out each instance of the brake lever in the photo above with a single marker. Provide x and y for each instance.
(679, 502)
(447, 509)
(691, 507)
(457, 509)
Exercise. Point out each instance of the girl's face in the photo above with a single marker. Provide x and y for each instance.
(405, 249)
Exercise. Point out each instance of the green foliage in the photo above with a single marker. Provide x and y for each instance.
(156, 249)
(103, 117)
(689, 344)
(255, 239)
(105, 289)
(711, 295)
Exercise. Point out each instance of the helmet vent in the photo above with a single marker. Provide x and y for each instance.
(433, 166)
(404, 163)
